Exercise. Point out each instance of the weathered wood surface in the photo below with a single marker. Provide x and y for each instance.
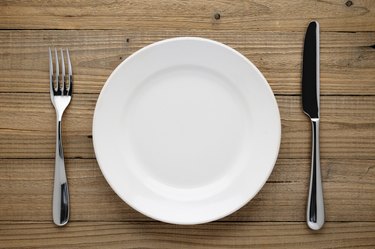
(27, 127)
(334, 15)
(158, 235)
(347, 59)
(26, 192)
(101, 34)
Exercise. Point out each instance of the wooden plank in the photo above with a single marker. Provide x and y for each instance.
(27, 127)
(26, 192)
(346, 67)
(214, 235)
(184, 15)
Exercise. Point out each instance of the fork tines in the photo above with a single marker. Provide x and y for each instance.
(60, 84)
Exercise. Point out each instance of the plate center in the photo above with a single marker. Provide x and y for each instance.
(185, 127)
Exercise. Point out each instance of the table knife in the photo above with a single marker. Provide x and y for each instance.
(310, 102)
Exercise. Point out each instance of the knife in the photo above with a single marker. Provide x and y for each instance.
(310, 102)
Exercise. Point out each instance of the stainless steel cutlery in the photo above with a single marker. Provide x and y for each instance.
(61, 86)
(310, 101)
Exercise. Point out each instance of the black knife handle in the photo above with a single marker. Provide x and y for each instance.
(315, 205)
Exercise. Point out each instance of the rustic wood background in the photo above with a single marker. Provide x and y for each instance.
(100, 34)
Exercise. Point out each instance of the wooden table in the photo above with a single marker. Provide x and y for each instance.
(101, 34)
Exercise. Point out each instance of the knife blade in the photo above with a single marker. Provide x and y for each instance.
(310, 73)
(310, 102)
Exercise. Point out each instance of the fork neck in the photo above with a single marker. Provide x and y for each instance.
(59, 116)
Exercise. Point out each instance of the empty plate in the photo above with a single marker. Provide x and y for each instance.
(186, 130)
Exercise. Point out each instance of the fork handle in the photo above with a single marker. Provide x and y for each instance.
(60, 189)
(315, 206)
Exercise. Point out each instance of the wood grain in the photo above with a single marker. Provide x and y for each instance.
(348, 185)
(215, 235)
(101, 34)
(184, 15)
(27, 127)
(347, 59)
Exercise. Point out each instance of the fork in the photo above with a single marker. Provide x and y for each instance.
(61, 94)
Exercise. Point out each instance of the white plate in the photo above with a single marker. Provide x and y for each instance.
(186, 130)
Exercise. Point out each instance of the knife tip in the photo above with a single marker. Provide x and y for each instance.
(313, 25)
(314, 22)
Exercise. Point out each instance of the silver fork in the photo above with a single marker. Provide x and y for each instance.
(61, 94)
